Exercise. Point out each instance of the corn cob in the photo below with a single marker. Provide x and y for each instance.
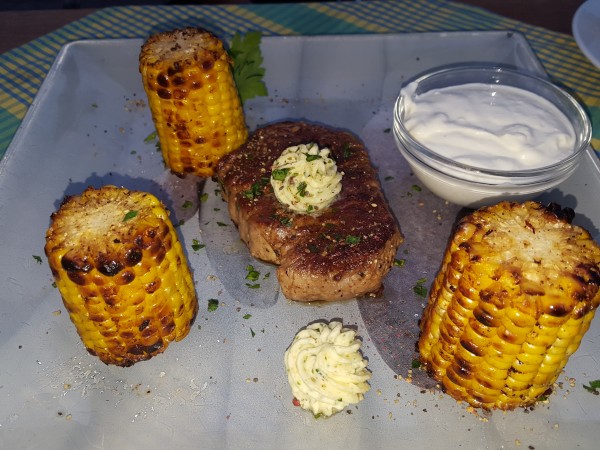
(122, 273)
(517, 290)
(193, 98)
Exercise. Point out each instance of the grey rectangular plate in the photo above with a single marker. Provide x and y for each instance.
(224, 386)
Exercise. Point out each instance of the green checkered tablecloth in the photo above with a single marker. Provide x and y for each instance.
(22, 70)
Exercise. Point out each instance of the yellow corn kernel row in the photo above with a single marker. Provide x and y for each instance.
(122, 273)
(516, 292)
(193, 98)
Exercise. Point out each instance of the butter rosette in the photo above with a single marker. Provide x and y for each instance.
(326, 369)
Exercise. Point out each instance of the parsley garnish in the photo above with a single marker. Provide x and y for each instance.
(130, 215)
(213, 304)
(247, 71)
(416, 187)
(256, 189)
(593, 387)
(280, 174)
(352, 240)
(187, 204)
(310, 158)
(419, 289)
(252, 274)
(415, 364)
(38, 259)
(196, 245)
(247, 316)
(302, 189)
(399, 262)
(150, 138)
(347, 152)
(203, 197)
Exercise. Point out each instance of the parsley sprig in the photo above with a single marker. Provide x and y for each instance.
(247, 71)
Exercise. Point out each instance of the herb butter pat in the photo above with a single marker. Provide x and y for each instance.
(305, 178)
(325, 368)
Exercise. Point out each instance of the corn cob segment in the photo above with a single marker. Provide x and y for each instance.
(516, 292)
(122, 273)
(193, 98)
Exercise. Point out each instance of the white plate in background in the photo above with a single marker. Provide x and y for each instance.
(586, 30)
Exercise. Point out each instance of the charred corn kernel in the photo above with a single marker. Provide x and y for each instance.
(516, 292)
(193, 98)
(122, 273)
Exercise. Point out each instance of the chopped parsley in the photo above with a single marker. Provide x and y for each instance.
(255, 190)
(252, 332)
(203, 197)
(352, 240)
(130, 215)
(251, 273)
(221, 224)
(196, 245)
(213, 304)
(187, 204)
(302, 188)
(415, 364)
(38, 259)
(150, 138)
(399, 262)
(280, 174)
(247, 316)
(346, 152)
(387, 130)
(419, 289)
(416, 187)
(593, 387)
(310, 158)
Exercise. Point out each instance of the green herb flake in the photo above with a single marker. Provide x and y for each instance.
(389, 178)
(352, 240)
(38, 259)
(302, 188)
(247, 316)
(196, 245)
(415, 364)
(251, 273)
(213, 304)
(203, 197)
(150, 138)
(253, 285)
(346, 152)
(54, 284)
(416, 187)
(387, 130)
(593, 387)
(280, 174)
(419, 289)
(310, 158)
(399, 262)
(130, 215)
(247, 60)
(222, 224)
(252, 333)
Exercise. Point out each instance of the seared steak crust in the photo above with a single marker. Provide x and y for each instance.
(339, 253)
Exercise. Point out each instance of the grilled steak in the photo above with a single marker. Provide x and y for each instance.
(341, 252)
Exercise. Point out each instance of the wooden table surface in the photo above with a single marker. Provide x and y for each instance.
(19, 27)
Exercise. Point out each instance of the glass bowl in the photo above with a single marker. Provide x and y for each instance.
(475, 185)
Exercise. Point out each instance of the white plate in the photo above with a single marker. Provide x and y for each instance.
(224, 385)
(586, 30)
